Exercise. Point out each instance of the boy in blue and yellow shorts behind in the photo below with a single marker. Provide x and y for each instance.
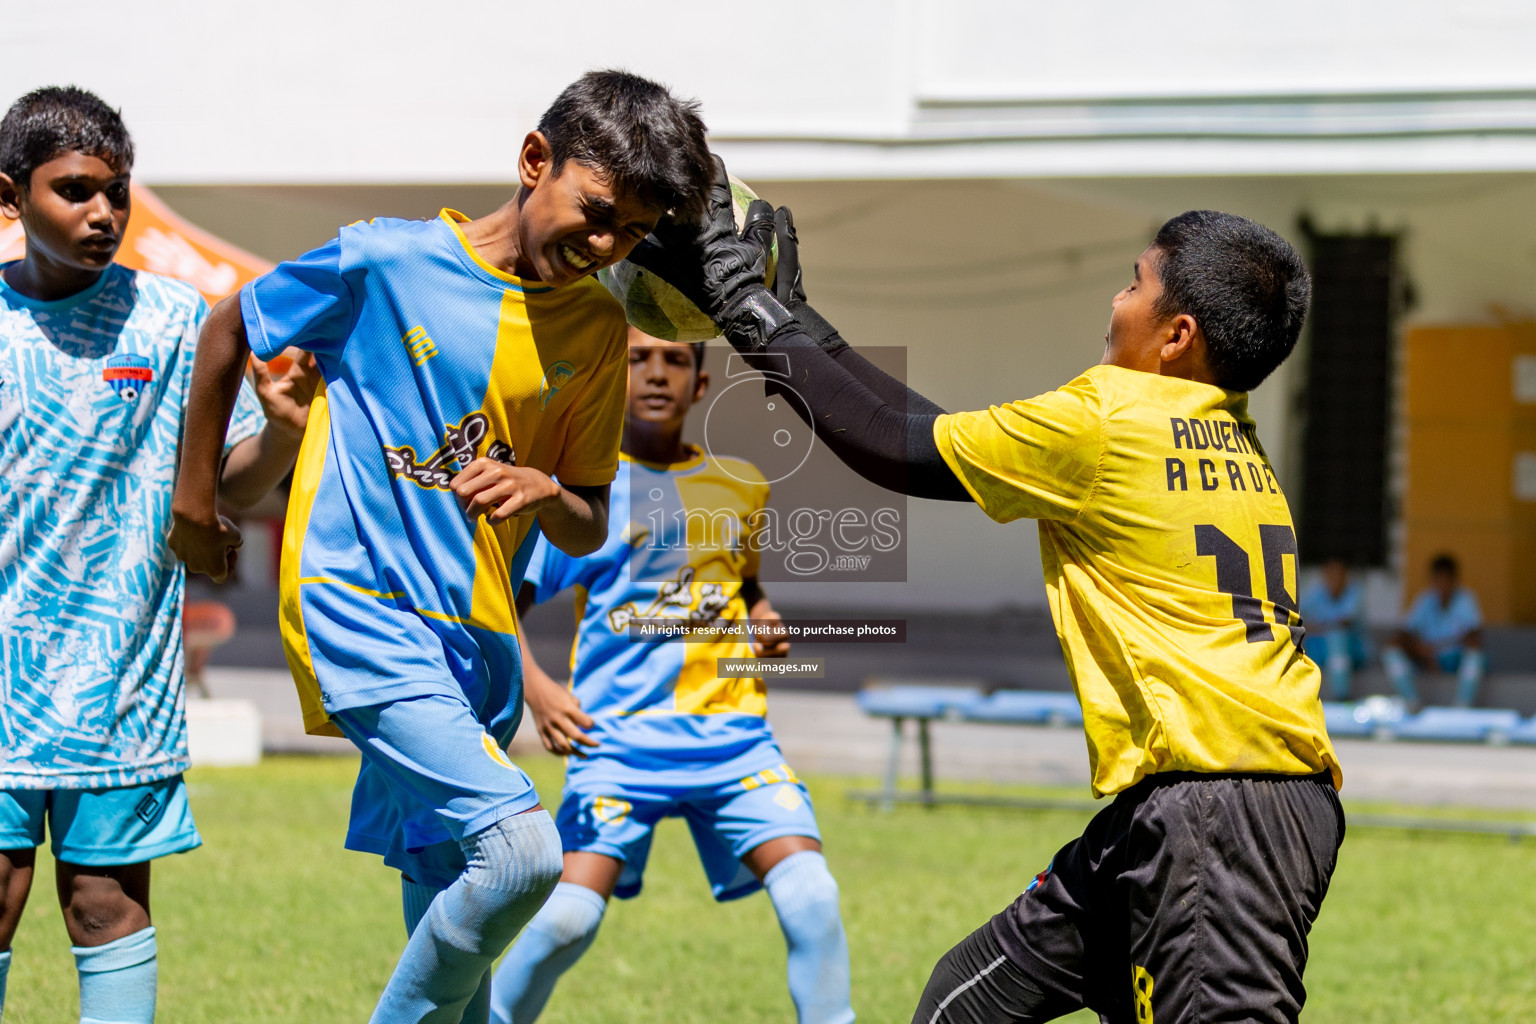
(668, 734)
(466, 364)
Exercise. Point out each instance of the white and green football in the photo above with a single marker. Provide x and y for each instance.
(660, 310)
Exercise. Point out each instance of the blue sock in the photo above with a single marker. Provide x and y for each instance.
(551, 944)
(478, 1009)
(117, 980)
(415, 898)
(1469, 675)
(512, 866)
(5, 968)
(1400, 671)
(1337, 670)
(804, 895)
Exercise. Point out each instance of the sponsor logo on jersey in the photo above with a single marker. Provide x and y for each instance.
(461, 444)
(556, 376)
(701, 604)
(128, 375)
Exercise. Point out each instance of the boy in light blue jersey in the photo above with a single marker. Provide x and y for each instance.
(95, 368)
(1443, 629)
(667, 735)
(467, 364)
(1334, 612)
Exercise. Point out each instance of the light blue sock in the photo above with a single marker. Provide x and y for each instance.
(1400, 671)
(554, 940)
(1469, 676)
(478, 1009)
(415, 898)
(804, 895)
(1338, 669)
(117, 980)
(5, 968)
(512, 866)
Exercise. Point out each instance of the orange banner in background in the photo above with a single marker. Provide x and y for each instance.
(160, 241)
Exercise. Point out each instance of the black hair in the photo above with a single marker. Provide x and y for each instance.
(49, 122)
(637, 135)
(698, 356)
(1245, 286)
(1445, 563)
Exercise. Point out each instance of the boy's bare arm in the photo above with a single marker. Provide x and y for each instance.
(557, 713)
(200, 537)
(573, 519)
(258, 464)
(578, 524)
(769, 638)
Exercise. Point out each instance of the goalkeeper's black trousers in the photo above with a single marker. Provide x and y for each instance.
(1187, 900)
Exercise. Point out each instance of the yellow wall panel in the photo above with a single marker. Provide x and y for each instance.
(1464, 428)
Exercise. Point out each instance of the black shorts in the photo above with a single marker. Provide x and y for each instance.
(1188, 899)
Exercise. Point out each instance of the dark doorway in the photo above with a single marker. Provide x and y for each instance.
(1347, 401)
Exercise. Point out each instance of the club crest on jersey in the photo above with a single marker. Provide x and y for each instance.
(128, 375)
(556, 376)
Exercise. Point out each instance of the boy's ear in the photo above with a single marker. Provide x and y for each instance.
(700, 385)
(533, 160)
(10, 198)
(1180, 338)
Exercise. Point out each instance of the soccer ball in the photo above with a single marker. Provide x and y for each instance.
(660, 310)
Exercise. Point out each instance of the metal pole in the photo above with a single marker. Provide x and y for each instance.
(892, 766)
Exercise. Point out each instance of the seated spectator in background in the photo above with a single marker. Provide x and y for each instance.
(1334, 615)
(1443, 629)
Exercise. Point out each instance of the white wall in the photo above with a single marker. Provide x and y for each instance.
(324, 91)
(1110, 48)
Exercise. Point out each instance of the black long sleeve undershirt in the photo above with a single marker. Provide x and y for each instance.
(879, 427)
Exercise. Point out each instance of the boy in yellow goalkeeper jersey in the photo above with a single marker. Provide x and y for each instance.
(1170, 564)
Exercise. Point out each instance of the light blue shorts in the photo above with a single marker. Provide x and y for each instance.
(101, 827)
(431, 775)
(1322, 646)
(1449, 659)
(617, 819)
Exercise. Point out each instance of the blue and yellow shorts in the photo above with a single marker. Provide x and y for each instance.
(617, 819)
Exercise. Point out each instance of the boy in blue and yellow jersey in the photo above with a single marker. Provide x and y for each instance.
(467, 363)
(95, 367)
(669, 736)
(1170, 564)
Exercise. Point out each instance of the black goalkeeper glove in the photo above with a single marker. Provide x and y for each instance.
(720, 271)
(789, 285)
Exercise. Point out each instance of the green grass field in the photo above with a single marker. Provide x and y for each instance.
(272, 921)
